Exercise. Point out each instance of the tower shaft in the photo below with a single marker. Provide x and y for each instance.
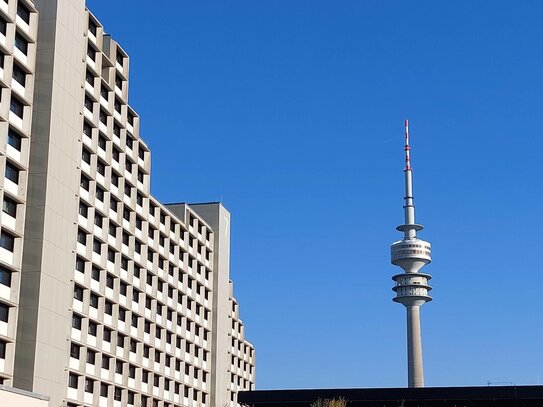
(415, 371)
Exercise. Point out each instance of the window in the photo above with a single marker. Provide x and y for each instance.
(107, 333)
(74, 351)
(109, 281)
(86, 156)
(113, 203)
(9, 207)
(88, 105)
(116, 154)
(80, 264)
(21, 43)
(23, 12)
(7, 241)
(132, 371)
(119, 367)
(91, 53)
(118, 394)
(76, 321)
(119, 82)
(89, 77)
(108, 309)
(140, 176)
(4, 312)
(81, 238)
(97, 246)
(129, 141)
(100, 193)
(95, 274)
(12, 173)
(110, 256)
(103, 390)
(117, 105)
(114, 179)
(78, 293)
(85, 182)
(72, 381)
(3, 26)
(94, 300)
(102, 142)
(89, 385)
(119, 58)
(83, 209)
(14, 140)
(92, 28)
(103, 117)
(19, 75)
(93, 328)
(104, 93)
(87, 129)
(112, 229)
(91, 357)
(105, 361)
(5, 277)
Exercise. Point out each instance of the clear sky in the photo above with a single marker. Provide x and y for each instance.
(291, 113)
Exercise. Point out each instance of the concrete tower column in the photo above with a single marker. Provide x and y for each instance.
(414, 347)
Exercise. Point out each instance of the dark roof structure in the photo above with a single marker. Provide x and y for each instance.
(488, 396)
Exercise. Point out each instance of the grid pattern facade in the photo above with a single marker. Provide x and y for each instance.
(18, 32)
(142, 280)
(242, 356)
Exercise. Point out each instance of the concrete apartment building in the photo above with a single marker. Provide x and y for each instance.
(107, 296)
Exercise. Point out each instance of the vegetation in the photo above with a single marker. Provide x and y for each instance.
(340, 402)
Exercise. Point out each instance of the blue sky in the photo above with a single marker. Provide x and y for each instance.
(296, 111)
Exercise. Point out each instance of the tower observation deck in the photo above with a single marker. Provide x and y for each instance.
(411, 254)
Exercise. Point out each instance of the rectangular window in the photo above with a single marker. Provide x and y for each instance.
(7, 241)
(4, 312)
(78, 293)
(92, 28)
(93, 328)
(17, 107)
(87, 129)
(23, 12)
(91, 53)
(3, 26)
(88, 105)
(14, 140)
(5, 277)
(19, 75)
(74, 351)
(12, 173)
(86, 156)
(91, 357)
(83, 210)
(21, 43)
(76, 321)
(89, 385)
(72, 381)
(105, 362)
(9, 207)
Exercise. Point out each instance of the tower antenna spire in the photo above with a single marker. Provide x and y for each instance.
(407, 147)
(411, 254)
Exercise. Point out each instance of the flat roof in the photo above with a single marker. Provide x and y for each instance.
(495, 396)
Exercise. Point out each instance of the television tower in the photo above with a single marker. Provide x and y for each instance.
(411, 254)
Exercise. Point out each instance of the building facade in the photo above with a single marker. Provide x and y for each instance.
(107, 296)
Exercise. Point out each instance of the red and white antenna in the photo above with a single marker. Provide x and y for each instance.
(407, 148)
